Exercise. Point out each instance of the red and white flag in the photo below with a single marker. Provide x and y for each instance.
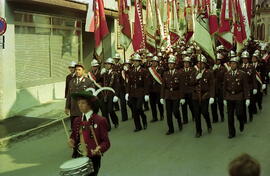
(213, 20)
(101, 28)
(225, 16)
(123, 9)
(90, 23)
(225, 36)
(138, 41)
(241, 25)
(174, 24)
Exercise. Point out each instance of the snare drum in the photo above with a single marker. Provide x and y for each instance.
(77, 167)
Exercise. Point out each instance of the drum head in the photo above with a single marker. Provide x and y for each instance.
(74, 163)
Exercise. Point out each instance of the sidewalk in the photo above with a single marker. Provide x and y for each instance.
(31, 120)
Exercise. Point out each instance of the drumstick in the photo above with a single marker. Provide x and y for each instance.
(95, 138)
(65, 128)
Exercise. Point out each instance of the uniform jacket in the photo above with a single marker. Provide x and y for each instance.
(137, 85)
(187, 87)
(154, 86)
(203, 88)
(73, 88)
(100, 127)
(251, 75)
(110, 80)
(68, 78)
(219, 79)
(236, 87)
(171, 88)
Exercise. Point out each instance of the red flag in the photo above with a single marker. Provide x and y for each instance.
(101, 28)
(249, 10)
(239, 26)
(225, 16)
(138, 36)
(213, 20)
(124, 23)
(124, 18)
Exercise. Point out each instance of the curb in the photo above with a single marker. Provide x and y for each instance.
(4, 142)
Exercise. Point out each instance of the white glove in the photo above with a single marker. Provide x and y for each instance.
(162, 101)
(126, 68)
(115, 99)
(215, 67)
(146, 98)
(199, 76)
(269, 74)
(182, 101)
(103, 70)
(263, 86)
(126, 97)
(255, 91)
(211, 101)
(247, 102)
(225, 102)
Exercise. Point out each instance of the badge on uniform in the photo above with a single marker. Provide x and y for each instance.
(140, 78)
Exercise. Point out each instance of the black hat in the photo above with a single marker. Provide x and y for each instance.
(83, 94)
(79, 65)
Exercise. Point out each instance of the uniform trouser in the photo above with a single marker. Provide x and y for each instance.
(137, 111)
(108, 111)
(250, 108)
(201, 108)
(123, 105)
(172, 107)
(259, 99)
(218, 105)
(188, 98)
(96, 165)
(154, 102)
(145, 104)
(235, 106)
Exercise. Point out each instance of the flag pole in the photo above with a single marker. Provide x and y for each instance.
(124, 54)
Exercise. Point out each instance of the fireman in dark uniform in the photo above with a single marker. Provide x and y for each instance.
(219, 70)
(253, 88)
(187, 89)
(172, 95)
(137, 92)
(109, 79)
(203, 94)
(70, 76)
(236, 95)
(155, 81)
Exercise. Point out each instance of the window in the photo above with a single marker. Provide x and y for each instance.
(45, 45)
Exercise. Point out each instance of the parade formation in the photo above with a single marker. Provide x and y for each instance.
(234, 83)
(183, 74)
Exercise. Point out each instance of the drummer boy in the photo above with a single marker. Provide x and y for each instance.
(89, 131)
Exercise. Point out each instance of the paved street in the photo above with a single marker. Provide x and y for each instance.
(147, 153)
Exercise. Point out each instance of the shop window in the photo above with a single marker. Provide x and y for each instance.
(45, 45)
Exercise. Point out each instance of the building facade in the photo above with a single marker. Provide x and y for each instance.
(42, 38)
(261, 20)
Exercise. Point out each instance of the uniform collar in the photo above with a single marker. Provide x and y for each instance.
(88, 115)
(80, 79)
